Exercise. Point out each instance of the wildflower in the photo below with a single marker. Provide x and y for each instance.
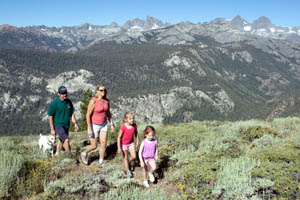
(181, 186)
(286, 188)
(211, 181)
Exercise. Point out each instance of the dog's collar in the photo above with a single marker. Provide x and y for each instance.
(50, 143)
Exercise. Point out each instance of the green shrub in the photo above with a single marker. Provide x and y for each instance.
(267, 140)
(281, 165)
(134, 192)
(25, 169)
(11, 164)
(234, 178)
(76, 187)
(256, 132)
(195, 179)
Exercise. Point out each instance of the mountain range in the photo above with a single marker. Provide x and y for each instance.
(217, 70)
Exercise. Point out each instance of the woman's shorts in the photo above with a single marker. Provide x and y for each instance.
(125, 147)
(97, 128)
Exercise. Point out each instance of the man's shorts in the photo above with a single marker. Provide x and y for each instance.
(97, 128)
(63, 133)
(125, 147)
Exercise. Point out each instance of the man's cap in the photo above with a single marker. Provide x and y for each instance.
(62, 89)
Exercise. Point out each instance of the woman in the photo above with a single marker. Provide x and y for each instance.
(98, 117)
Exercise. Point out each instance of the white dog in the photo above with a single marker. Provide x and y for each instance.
(47, 143)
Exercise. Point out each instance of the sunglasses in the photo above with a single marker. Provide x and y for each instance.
(63, 93)
(102, 90)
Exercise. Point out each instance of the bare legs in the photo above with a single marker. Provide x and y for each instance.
(127, 160)
(103, 140)
(66, 145)
(152, 166)
(94, 145)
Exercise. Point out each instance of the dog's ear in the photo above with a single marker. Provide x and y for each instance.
(41, 135)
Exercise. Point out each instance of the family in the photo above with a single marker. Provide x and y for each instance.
(98, 119)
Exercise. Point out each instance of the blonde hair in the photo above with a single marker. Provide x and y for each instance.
(126, 115)
(100, 86)
(149, 129)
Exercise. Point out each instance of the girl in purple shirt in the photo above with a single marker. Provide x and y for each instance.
(148, 154)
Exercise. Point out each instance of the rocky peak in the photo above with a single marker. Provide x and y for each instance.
(152, 23)
(238, 22)
(84, 26)
(219, 21)
(113, 25)
(7, 27)
(262, 23)
(133, 22)
(148, 24)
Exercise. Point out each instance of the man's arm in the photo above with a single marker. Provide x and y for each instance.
(51, 124)
(75, 122)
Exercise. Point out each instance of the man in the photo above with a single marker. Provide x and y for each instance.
(60, 112)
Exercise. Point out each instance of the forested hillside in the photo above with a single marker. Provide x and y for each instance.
(177, 73)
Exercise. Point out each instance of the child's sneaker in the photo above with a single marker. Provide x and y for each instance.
(129, 174)
(84, 158)
(131, 168)
(151, 177)
(145, 183)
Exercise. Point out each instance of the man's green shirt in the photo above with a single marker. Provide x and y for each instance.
(61, 112)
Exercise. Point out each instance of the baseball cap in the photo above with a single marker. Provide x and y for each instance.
(62, 89)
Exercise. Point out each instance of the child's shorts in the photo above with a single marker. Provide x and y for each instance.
(147, 160)
(97, 128)
(125, 147)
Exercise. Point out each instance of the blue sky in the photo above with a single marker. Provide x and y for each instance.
(99, 12)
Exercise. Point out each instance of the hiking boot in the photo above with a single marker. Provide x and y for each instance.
(129, 174)
(71, 155)
(151, 177)
(84, 158)
(145, 183)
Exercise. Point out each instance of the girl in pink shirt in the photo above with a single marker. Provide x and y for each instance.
(126, 141)
(148, 154)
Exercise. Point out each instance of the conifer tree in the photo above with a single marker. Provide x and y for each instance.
(87, 95)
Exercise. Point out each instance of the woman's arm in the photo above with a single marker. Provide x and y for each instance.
(89, 112)
(108, 114)
(140, 154)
